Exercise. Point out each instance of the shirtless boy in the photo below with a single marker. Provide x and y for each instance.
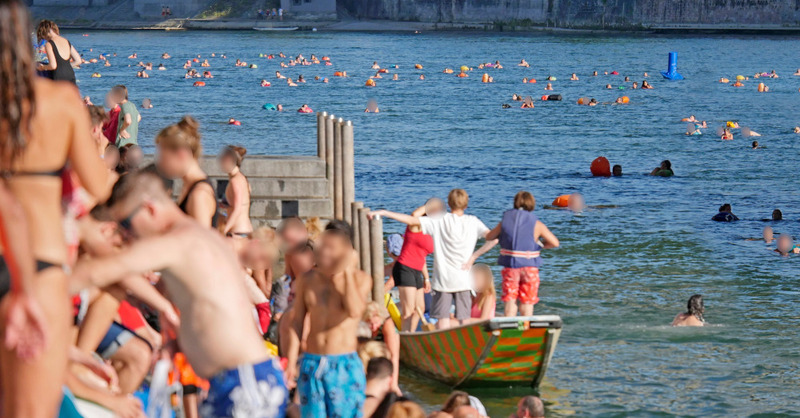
(202, 278)
(334, 295)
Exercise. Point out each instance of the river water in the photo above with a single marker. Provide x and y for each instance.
(622, 273)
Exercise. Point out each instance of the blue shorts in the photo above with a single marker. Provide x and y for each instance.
(256, 391)
(117, 336)
(331, 386)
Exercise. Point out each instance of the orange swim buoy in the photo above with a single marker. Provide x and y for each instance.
(485, 78)
(448, 71)
(600, 167)
(626, 99)
(532, 81)
(383, 71)
(195, 60)
(370, 83)
(562, 201)
(462, 75)
(337, 74)
(544, 98)
(580, 101)
(199, 84)
(418, 66)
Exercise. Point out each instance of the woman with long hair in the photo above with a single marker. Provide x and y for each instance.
(179, 151)
(43, 126)
(59, 53)
(237, 193)
(693, 317)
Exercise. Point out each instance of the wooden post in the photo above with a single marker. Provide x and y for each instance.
(329, 128)
(338, 182)
(377, 259)
(356, 224)
(348, 168)
(363, 237)
(321, 134)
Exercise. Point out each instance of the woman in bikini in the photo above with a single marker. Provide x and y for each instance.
(34, 152)
(237, 194)
(179, 149)
(59, 53)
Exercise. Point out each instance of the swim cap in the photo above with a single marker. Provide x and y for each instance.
(394, 244)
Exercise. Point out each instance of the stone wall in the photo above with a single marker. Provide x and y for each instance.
(310, 8)
(582, 13)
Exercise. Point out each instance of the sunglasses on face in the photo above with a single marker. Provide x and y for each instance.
(127, 224)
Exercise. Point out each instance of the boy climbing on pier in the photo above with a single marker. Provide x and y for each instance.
(455, 235)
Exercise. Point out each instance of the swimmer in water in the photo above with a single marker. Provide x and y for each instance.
(207, 74)
(372, 106)
(777, 215)
(786, 246)
(594, 73)
(548, 86)
(395, 77)
(725, 214)
(279, 75)
(422, 76)
(300, 79)
(755, 145)
(646, 85)
(646, 75)
(147, 104)
(375, 66)
(608, 87)
(663, 170)
(768, 235)
(616, 171)
(523, 63)
(593, 102)
(691, 118)
(291, 83)
(727, 135)
(634, 86)
(265, 83)
(574, 77)
(627, 79)
(693, 317)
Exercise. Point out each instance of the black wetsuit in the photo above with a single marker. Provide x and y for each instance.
(63, 71)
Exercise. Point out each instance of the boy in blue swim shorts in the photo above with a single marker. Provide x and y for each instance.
(251, 390)
(334, 296)
(332, 385)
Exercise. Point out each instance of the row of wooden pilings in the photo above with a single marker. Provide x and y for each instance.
(335, 145)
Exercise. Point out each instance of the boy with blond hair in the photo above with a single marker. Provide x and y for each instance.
(455, 235)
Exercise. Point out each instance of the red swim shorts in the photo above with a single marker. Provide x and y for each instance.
(521, 284)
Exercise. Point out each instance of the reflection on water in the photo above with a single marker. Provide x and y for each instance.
(622, 273)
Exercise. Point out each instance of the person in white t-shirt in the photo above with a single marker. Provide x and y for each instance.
(455, 235)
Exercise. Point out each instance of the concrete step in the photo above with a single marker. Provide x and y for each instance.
(266, 188)
(271, 166)
(275, 209)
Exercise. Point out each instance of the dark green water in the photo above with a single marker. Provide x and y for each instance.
(622, 273)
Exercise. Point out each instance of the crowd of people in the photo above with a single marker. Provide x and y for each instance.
(87, 229)
(104, 274)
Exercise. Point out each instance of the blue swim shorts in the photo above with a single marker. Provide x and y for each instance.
(331, 386)
(250, 390)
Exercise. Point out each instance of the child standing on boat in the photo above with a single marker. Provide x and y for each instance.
(454, 237)
(521, 234)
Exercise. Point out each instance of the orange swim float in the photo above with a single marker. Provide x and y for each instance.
(485, 78)
(418, 66)
(601, 167)
(580, 101)
(626, 99)
(562, 201)
(338, 74)
(462, 75)
(370, 83)
(199, 84)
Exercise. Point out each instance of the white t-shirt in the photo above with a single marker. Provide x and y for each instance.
(454, 239)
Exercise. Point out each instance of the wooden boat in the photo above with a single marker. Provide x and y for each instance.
(500, 352)
(276, 29)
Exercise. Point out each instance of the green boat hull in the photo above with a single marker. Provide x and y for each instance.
(500, 352)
